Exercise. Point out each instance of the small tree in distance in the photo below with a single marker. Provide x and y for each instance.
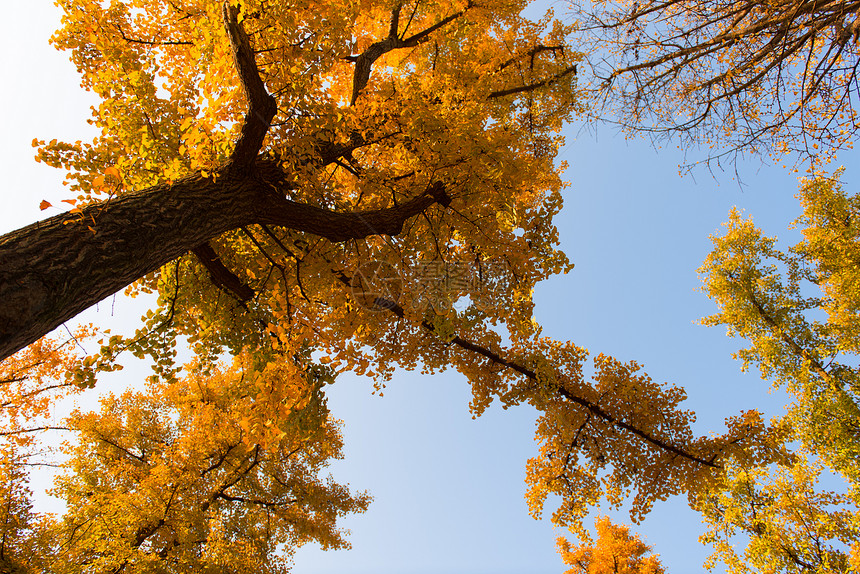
(616, 551)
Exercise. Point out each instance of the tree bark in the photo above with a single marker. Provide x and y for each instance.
(53, 269)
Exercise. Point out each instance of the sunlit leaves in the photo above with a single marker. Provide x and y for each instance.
(770, 297)
(470, 100)
(170, 478)
(796, 308)
(172, 105)
(603, 442)
(616, 551)
(792, 523)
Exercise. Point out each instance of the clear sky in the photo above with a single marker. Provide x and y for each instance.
(448, 489)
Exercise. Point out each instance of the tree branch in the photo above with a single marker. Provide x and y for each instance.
(365, 60)
(139, 458)
(256, 501)
(533, 86)
(530, 54)
(33, 430)
(153, 42)
(734, 75)
(338, 226)
(590, 406)
(804, 354)
(262, 106)
(221, 275)
(53, 269)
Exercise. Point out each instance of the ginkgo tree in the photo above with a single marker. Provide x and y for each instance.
(173, 478)
(616, 551)
(797, 310)
(279, 173)
(782, 518)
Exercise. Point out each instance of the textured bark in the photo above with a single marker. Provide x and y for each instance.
(53, 269)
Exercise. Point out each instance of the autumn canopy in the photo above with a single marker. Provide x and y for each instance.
(309, 188)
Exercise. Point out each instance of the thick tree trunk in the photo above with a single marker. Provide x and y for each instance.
(53, 269)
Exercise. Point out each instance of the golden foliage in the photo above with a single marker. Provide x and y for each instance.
(777, 299)
(616, 551)
(169, 480)
(792, 525)
(797, 310)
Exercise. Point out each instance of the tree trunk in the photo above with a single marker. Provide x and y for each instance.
(53, 269)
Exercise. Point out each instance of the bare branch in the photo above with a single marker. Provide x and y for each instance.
(743, 76)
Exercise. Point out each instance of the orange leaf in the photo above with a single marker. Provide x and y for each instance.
(112, 171)
(44, 205)
(69, 201)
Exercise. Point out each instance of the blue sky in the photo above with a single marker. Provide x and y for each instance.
(448, 489)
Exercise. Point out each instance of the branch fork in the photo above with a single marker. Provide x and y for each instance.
(262, 106)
